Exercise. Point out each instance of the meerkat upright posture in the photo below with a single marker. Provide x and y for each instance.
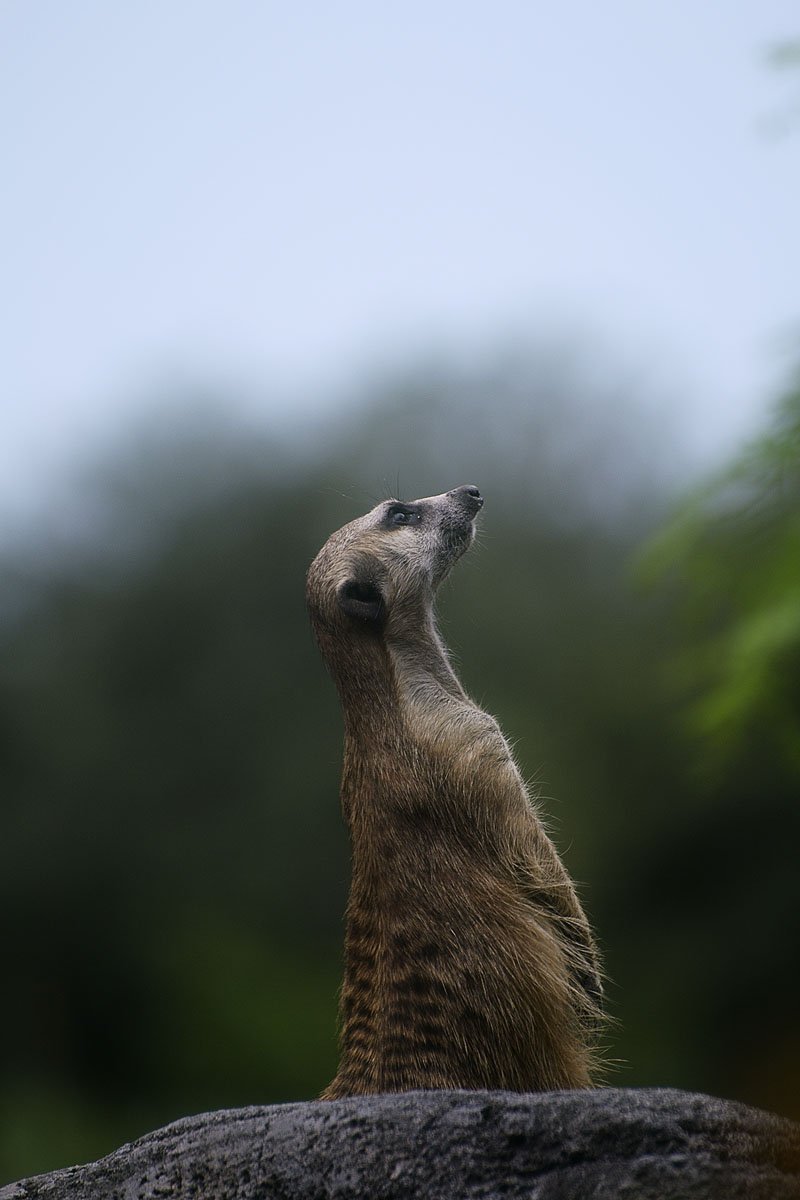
(469, 962)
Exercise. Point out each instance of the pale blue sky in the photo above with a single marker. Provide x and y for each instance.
(262, 192)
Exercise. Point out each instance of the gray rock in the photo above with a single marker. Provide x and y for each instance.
(648, 1144)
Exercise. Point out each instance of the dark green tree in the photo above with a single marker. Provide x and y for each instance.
(730, 561)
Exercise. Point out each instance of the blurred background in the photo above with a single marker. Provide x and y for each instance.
(264, 266)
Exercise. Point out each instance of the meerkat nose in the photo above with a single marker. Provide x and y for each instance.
(470, 493)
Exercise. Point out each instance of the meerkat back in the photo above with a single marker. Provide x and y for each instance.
(468, 962)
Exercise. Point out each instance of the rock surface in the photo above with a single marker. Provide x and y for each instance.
(629, 1144)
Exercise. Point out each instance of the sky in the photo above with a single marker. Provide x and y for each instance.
(271, 197)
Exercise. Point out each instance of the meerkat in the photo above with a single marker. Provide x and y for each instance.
(468, 961)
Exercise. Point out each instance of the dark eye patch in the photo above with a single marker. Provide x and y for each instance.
(402, 514)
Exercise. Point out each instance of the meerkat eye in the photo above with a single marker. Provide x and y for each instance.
(400, 515)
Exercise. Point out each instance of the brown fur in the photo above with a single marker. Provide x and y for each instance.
(468, 960)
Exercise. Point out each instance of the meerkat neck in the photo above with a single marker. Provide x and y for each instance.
(422, 669)
(390, 683)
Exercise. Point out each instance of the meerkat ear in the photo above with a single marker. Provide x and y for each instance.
(362, 598)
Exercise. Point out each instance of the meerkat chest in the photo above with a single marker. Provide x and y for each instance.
(447, 735)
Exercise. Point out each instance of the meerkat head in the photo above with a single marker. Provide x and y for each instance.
(379, 571)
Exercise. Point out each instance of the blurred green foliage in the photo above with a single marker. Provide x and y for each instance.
(732, 552)
(173, 867)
